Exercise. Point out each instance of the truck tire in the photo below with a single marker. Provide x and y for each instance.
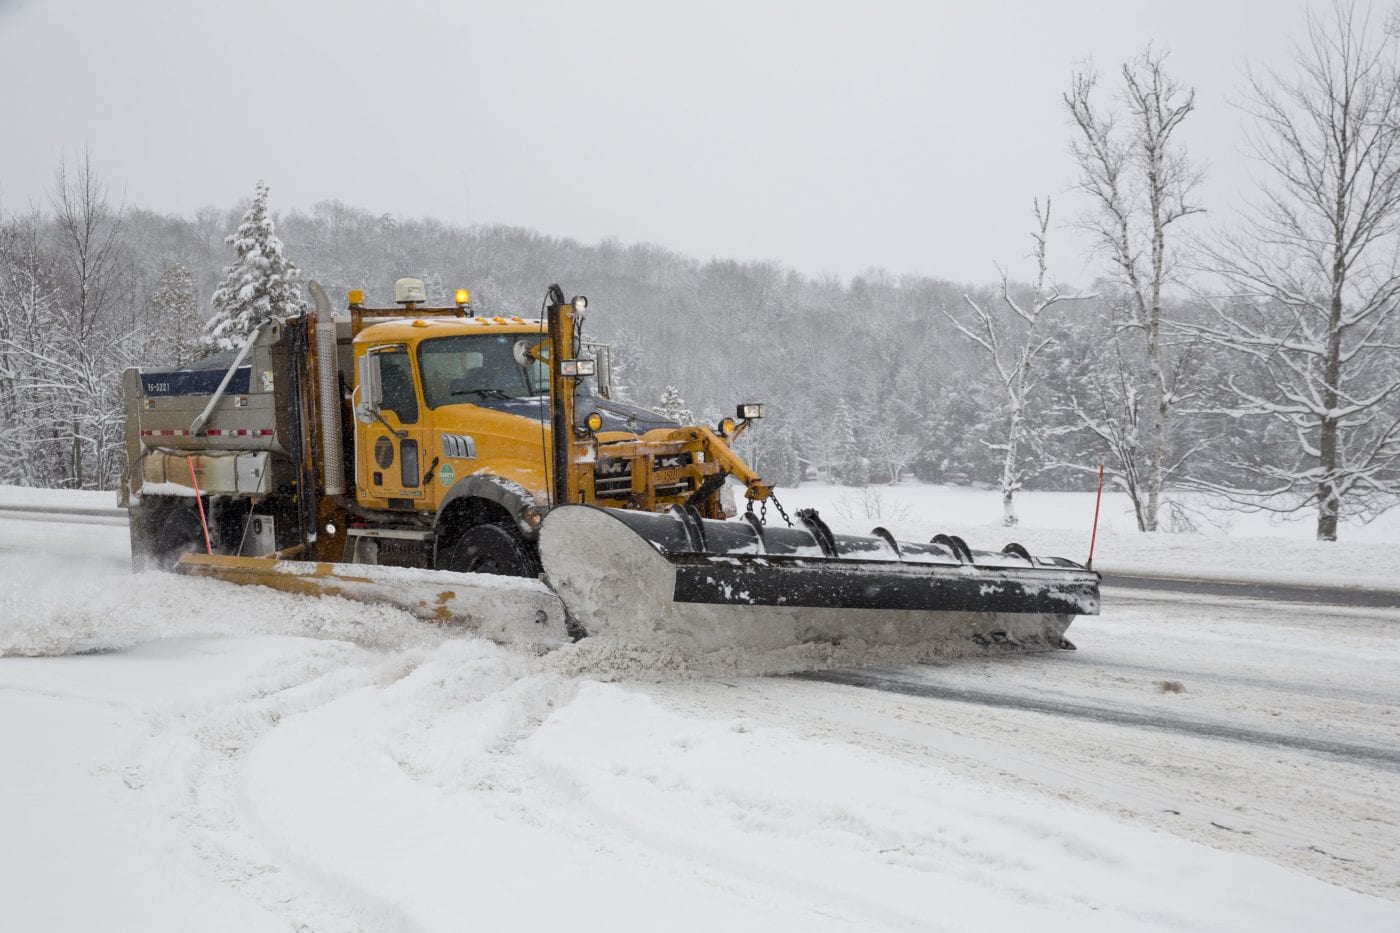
(181, 533)
(493, 548)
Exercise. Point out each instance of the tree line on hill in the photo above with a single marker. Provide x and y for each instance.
(1259, 361)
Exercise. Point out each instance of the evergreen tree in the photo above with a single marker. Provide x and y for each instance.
(172, 314)
(260, 285)
(673, 406)
(846, 447)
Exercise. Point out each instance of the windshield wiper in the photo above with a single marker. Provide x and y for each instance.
(486, 393)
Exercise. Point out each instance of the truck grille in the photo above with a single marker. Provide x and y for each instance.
(612, 479)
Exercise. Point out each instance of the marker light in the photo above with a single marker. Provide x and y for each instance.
(462, 297)
(594, 421)
(577, 367)
(726, 427)
(356, 298)
(748, 411)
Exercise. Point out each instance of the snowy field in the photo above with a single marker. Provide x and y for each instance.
(187, 755)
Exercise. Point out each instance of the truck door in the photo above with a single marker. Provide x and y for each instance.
(389, 431)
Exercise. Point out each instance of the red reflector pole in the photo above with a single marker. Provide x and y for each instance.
(1098, 497)
(208, 549)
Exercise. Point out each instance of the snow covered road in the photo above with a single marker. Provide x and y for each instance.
(226, 758)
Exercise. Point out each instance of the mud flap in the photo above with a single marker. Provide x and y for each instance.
(511, 610)
(712, 585)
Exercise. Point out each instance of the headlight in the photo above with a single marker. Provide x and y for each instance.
(750, 410)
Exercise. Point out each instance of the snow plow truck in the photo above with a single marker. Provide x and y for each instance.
(477, 469)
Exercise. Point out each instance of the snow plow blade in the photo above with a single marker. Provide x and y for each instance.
(713, 585)
(504, 609)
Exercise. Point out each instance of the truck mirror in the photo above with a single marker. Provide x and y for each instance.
(371, 392)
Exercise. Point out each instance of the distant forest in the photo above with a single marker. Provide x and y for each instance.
(865, 380)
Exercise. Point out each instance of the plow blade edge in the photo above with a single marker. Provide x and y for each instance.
(504, 609)
(714, 585)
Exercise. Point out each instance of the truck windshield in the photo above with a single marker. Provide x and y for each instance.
(474, 367)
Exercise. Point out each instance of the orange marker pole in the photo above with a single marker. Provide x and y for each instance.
(208, 549)
(1098, 498)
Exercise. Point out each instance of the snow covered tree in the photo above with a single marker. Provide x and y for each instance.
(628, 363)
(173, 319)
(1013, 344)
(846, 449)
(31, 445)
(673, 406)
(1140, 183)
(893, 452)
(66, 333)
(1313, 277)
(773, 449)
(260, 285)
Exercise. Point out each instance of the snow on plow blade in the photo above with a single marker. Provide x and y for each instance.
(504, 609)
(714, 584)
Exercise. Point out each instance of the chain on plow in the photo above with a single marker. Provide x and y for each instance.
(763, 508)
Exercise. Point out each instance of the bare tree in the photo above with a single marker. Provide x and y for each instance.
(1313, 275)
(1140, 183)
(892, 452)
(83, 359)
(1012, 343)
(89, 233)
(29, 445)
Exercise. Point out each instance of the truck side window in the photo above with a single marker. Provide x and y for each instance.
(396, 380)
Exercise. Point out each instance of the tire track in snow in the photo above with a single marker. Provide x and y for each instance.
(196, 759)
(1384, 758)
(1328, 818)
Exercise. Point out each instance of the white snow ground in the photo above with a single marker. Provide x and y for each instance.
(183, 754)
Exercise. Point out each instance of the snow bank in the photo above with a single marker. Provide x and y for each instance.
(51, 609)
(1059, 524)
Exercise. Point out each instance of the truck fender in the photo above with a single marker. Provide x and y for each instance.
(517, 501)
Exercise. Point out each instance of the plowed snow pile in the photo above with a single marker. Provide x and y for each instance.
(53, 611)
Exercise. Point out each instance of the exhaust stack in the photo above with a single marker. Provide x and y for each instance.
(328, 392)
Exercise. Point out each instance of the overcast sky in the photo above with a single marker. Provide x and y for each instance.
(828, 136)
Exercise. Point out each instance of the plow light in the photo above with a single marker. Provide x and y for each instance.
(577, 367)
(750, 411)
(410, 292)
(580, 304)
